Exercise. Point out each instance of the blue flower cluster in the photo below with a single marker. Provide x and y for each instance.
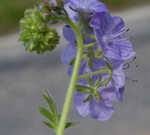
(112, 49)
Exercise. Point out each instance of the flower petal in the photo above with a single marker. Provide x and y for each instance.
(88, 5)
(101, 21)
(109, 93)
(118, 77)
(101, 110)
(68, 54)
(69, 34)
(82, 108)
(118, 25)
(121, 49)
(72, 14)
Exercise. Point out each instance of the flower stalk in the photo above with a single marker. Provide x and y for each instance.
(73, 81)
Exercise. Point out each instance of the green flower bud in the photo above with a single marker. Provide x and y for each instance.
(35, 33)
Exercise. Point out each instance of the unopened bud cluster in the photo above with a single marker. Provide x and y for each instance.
(36, 34)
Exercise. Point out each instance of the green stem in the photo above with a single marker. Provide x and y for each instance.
(74, 78)
(102, 70)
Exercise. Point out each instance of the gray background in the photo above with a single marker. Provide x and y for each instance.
(24, 76)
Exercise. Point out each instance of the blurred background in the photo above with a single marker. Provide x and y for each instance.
(12, 11)
(25, 76)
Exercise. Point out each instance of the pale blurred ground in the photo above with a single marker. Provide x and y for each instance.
(24, 76)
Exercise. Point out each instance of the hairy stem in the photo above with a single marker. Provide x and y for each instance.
(73, 81)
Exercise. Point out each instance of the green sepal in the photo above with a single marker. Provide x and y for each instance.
(98, 54)
(89, 63)
(109, 65)
(82, 26)
(106, 82)
(90, 81)
(88, 98)
(83, 89)
(98, 82)
(97, 95)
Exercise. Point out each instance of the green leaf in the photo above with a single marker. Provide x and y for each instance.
(48, 99)
(70, 124)
(83, 89)
(49, 125)
(47, 114)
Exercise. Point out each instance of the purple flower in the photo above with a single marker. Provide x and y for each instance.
(100, 110)
(110, 35)
(103, 109)
(88, 6)
(115, 89)
(110, 32)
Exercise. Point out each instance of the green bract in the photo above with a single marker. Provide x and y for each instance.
(36, 34)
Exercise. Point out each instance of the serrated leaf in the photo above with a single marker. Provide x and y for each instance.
(47, 114)
(48, 99)
(49, 125)
(70, 124)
